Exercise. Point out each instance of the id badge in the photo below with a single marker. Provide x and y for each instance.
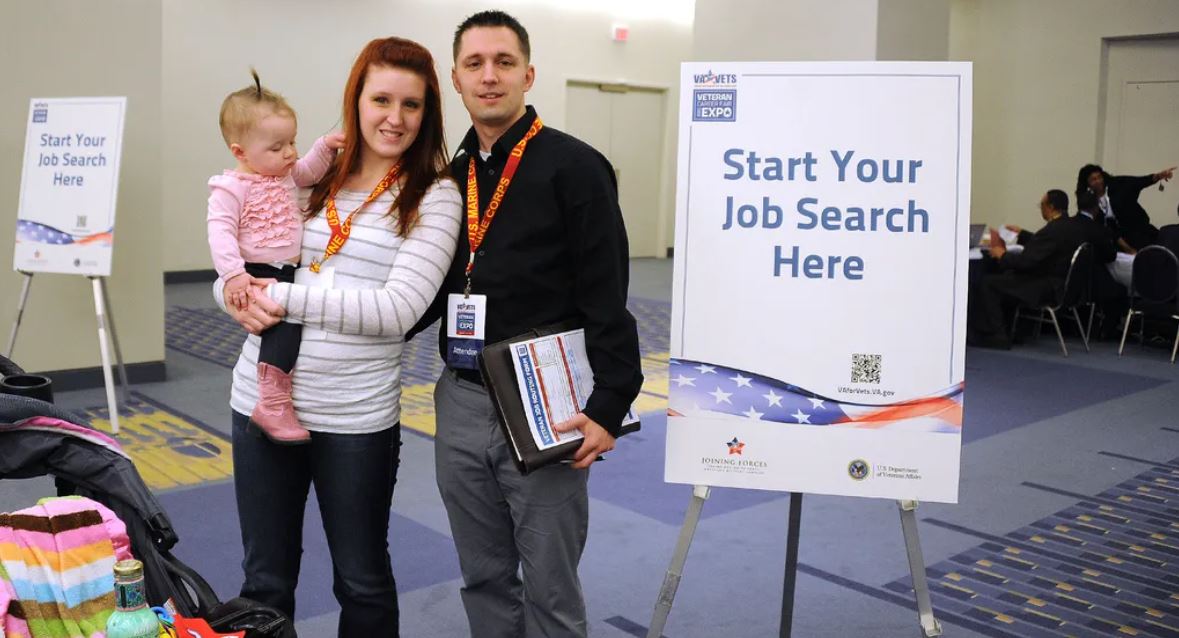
(465, 319)
(325, 278)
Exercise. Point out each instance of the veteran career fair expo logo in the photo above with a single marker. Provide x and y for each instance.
(733, 457)
(714, 98)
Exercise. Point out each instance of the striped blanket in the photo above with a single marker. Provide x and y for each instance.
(56, 561)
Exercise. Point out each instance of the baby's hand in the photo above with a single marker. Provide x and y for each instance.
(238, 292)
(334, 141)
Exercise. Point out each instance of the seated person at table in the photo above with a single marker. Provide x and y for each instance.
(1032, 277)
(1110, 296)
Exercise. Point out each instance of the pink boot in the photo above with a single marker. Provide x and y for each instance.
(274, 414)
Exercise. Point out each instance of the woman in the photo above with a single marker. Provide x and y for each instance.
(386, 198)
(1118, 199)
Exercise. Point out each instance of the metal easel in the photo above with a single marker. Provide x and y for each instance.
(929, 625)
(105, 322)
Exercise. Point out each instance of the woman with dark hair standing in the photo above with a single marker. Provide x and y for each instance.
(379, 235)
(1118, 198)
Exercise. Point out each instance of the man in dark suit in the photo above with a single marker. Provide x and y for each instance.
(1032, 277)
(1109, 295)
(1117, 198)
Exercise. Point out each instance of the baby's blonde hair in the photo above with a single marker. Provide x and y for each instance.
(242, 109)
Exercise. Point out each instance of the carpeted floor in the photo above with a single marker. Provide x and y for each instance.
(1068, 521)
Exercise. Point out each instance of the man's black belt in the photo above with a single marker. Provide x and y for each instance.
(469, 375)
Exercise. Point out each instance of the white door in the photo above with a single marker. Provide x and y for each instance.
(626, 125)
(1142, 118)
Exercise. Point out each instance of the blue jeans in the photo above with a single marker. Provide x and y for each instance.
(354, 475)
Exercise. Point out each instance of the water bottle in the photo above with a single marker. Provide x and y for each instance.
(132, 617)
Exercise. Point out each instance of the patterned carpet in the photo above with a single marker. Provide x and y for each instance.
(1107, 566)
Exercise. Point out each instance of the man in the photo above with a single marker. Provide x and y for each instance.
(1117, 198)
(554, 250)
(1032, 277)
(1109, 295)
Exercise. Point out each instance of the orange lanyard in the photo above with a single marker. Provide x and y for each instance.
(340, 232)
(476, 229)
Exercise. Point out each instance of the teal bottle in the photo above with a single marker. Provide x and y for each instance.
(132, 617)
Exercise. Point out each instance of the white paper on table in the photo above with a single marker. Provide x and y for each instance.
(555, 380)
(1008, 236)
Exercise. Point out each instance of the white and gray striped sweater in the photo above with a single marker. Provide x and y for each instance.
(348, 375)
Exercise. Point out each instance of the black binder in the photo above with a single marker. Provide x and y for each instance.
(499, 377)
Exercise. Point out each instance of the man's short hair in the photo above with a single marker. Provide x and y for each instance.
(1058, 200)
(493, 18)
(1086, 201)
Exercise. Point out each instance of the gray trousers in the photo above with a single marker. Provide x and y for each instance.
(503, 521)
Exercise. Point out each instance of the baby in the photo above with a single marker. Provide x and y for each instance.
(256, 231)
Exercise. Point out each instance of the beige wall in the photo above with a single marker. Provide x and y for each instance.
(208, 47)
(754, 30)
(1037, 84)
(913, 30)
(64, 48)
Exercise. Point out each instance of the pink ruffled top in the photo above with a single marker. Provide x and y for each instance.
(254, 218)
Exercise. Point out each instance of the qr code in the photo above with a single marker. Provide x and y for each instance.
(81, 221)
(865, 368)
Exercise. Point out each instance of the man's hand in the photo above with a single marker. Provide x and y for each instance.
(597, 440)
(998, 248)
(259, 315)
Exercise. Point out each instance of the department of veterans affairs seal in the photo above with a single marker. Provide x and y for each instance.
(859, 469)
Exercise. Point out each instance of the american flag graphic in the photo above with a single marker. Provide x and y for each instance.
(42, 234)
(703, 389)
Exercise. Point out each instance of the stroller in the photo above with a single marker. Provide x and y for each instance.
(83, 467)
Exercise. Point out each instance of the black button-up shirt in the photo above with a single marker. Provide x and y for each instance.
(556, 251)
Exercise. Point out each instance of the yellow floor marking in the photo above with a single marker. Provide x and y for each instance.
(168, 450)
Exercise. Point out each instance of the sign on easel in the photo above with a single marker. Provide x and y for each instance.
(819, 313)
(65, 221)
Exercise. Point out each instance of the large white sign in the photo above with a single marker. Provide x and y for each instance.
(66, 219)
(819, 313)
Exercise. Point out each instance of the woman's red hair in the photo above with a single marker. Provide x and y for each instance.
(422, 163)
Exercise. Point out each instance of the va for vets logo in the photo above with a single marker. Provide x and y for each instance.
(710, 101)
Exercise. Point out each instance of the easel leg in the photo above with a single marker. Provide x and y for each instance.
(929, 625)
(20, 311)
(110, 322)
(100, 311)
(792, 532)
(671, 581)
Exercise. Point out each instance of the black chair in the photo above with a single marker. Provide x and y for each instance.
(1154, 291)
(1077, 294)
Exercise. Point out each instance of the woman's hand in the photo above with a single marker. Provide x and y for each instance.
(262, 313)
